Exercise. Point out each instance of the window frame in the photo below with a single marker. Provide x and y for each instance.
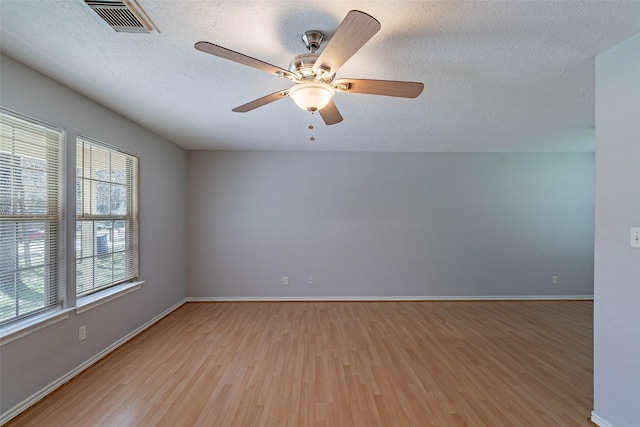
(52, 218)
(83, 218)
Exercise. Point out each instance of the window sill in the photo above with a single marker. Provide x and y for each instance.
(94, 300)
(32, 324)
(35, 323)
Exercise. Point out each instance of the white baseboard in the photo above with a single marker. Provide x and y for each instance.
(395, 298)
(35, 398)
(599, 421)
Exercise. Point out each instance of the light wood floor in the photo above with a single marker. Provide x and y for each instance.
(342, 364)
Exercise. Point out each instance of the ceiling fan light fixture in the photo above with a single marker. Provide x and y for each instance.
(312, 95)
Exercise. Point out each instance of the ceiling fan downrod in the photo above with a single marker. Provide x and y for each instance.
(312, 40)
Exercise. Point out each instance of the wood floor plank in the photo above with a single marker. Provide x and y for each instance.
(498, 363)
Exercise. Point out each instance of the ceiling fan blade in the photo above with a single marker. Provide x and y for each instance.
(380, 87)
(262, 101)
(330, 114)
(223, 52)
(355, 30)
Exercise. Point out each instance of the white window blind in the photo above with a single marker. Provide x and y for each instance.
(30, 215)
(106, 216)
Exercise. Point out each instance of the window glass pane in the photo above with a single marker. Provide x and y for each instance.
(119, 266)
(104, 273)
(119, 233)
(84, 274)
(118, 199)
(30, 286)
(30, 244)
(87, 197)
(87, 239)
(99, 163)
(8, 307)
(79, 197)
(103, 237)
(119, 168)
(100, 190)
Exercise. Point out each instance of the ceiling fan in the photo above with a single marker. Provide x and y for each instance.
(314, 73)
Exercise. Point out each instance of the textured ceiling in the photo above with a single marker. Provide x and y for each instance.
(499, 76)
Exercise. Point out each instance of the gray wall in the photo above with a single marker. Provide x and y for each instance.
(617, 265)
(33, 362)
(389, 224)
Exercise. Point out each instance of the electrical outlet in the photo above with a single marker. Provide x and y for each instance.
(635, 237)
(285, 280)
(82, 333)
(310, 280)
(554, 280)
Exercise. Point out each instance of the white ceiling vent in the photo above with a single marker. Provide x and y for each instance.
(122, 15)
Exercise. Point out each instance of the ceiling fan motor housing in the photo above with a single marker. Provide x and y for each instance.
(302, 66)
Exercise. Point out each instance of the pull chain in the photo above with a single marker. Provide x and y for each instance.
(313, 138)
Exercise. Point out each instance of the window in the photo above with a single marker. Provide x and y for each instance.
(30, 215)
(107, 216)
